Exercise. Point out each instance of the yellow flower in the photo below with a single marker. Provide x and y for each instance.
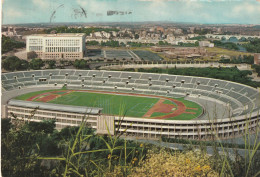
(141, 145)
(109, 156)
(206, 167)
(135, 159)
(188, 161)
(198, 168)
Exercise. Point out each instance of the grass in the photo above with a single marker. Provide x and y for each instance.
(221, 51)
(188, 104)
(156, 114)
(168, 102)
(31, 94)
(134, 106)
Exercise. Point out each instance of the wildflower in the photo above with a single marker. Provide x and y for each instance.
(135, 159)
(109, 156)
(206, 167)
(187, 161)
(141, 145)
(198, 168)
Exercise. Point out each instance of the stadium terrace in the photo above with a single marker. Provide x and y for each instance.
(162, 105)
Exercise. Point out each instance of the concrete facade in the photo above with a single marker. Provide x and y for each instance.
(57, 46)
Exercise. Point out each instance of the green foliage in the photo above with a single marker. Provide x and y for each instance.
(9, 44)
(87, 154)
(81, 64)
(226, 45)
(78, 151)
(6, 125)
(196, 44)
(253, 46)
(163, 43)
(92, 43)
(257, 69)
(21, 144)
(249, 59)
(199, 38)
(136, 36)
(31, 55)
(51, 64)
(36, 63)
(140, 44)
(13, 63)
(110, 43)
(45, 127)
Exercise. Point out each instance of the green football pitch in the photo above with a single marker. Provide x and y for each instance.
(112, 104)
(115, 104)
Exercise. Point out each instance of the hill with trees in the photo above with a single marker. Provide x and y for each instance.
(9, 44)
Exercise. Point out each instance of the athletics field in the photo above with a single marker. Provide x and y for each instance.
(121, 104)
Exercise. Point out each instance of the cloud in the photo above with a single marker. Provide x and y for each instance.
(246, 9)
(41, 3)
(13, 13)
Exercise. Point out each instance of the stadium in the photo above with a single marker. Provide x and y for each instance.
(142, 105)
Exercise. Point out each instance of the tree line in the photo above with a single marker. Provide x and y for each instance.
(253, 46)
(226, 45)
(13, 63)
(248, 59)
(9, 44)
(87, 31)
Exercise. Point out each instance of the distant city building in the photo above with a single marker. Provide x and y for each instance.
(159, 28)
(57, 46)
(257, 58)
(205, 44)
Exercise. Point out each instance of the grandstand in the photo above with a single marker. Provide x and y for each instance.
(234, 103)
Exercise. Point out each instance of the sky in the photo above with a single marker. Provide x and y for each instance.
(194, 11)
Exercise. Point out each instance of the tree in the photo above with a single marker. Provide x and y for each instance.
(13, 63)
(24, 65)
(51, 64)
(9, 44)
(136, 36)
(92, 43)
(31, 55)
(36, 64)
(81, 64)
